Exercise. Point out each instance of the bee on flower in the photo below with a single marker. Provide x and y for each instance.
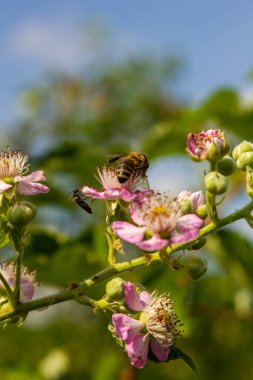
(155, 328)
(13, 169)
(163, 218)
(112, 189)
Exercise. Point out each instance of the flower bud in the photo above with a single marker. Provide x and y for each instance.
(114, 289)
(215, 183)
(21, 213)
(249, 179)
(244, 160)
(226, 166)
(243, 147)
(217, 150)
(193, 264)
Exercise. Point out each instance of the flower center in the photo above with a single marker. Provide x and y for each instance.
(158, 211)
(160, 321)
(12, 164)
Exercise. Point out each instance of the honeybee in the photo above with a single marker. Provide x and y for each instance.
(79, 198)
(129, 164)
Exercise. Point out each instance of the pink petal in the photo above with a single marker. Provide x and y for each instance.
(26, 290)
(159, 351)
(129, 232)
(132, 297)
(92, 192)
(36, 176)
(197, 199)
(136, 215)
(144, 298)
(32, 188)
(126, 327)
(4, 186)
(189, 221)
(137, 350)
(153, 244)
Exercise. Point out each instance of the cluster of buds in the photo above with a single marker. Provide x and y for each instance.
(243, 155)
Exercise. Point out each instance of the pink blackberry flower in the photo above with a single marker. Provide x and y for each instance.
(207, 145)
(156, 328)
(13, 166)
(162, 217)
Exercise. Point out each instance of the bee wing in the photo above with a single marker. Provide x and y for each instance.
(143, 184)
(115, 157)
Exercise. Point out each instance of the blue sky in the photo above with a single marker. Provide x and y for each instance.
(214, 38)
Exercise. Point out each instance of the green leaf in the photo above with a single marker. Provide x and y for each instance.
(4, 232)
(176, 353)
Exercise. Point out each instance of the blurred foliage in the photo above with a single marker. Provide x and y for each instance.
(70, 125)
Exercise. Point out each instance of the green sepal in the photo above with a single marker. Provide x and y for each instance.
(176, 353)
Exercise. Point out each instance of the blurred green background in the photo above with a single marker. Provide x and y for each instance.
(70, 124)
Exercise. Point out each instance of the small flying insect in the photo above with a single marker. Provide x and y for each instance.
(128, 164)
(79, 198)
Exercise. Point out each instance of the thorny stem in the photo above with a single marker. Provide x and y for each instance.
(77, 290)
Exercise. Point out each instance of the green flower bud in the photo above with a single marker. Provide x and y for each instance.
(244, 160)
(243, 147)
(216, 183)
(226, 166)
(193, 264)
(249, 179)
(215, 152)
(202, 212)
(196, 266)
(21, 213)
(186, 205)
(114, 289)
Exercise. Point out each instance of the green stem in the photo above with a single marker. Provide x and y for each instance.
(19, 251)
(78, 290)
(211, 207)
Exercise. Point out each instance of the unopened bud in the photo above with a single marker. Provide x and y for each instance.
(249, 179)
(186, 205)
(216, 183)
(21, 213)
(115, 289)
(193, 264)
(217, 150)
(226, 166)
(244, 160)
(243, 147)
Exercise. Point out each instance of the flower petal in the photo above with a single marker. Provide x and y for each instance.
(92, 192)
(189, 221)
(32, 188)
(137, 350)
(159, 351)
(4, 186)
(132, 297)
(197, 199)
(144, 298)
(36, 176)
(26, 290)
(126, 327)
(129, 232)
(153, 244)
(187, 228)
